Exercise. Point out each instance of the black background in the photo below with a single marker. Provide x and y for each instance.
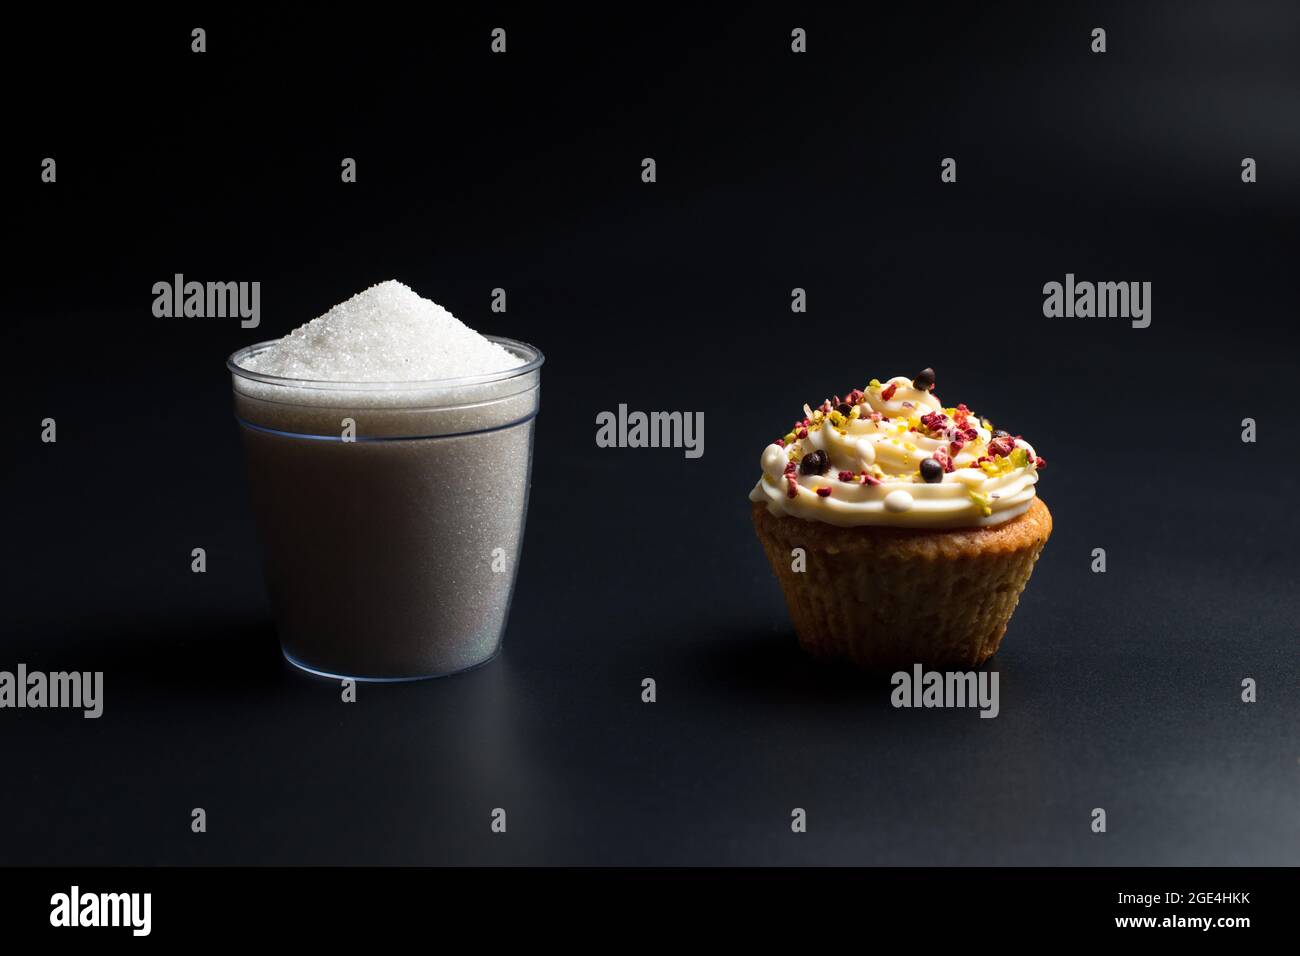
(775, 170)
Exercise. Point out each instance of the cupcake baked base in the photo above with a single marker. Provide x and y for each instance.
(887, 598)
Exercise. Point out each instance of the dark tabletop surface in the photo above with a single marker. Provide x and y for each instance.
(1118, 690)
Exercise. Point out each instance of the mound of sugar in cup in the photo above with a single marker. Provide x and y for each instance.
(387, 333)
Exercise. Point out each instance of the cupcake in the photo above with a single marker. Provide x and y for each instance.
(918, 525)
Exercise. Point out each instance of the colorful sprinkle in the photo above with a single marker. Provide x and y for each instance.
(1001, 447)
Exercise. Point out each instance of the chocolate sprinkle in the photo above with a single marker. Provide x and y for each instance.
(815, 463)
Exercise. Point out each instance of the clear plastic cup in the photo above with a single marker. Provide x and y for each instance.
(391, 545)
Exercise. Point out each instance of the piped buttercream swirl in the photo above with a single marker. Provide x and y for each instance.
(867, 463)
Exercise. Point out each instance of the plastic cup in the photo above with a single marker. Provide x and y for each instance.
(391, 515)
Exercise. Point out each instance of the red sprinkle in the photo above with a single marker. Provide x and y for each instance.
(847, 476)
(792, 489)
(824, 492)
(1002, 447)
(801, 433)
(888, 391)
(942, 458)
(935, 421)
(869, 480)
(791, 467)
(1040, 463)
(779, 443)
(954, 447)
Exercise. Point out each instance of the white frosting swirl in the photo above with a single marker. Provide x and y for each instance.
(986, 480)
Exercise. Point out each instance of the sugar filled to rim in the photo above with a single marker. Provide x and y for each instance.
(444, 406)
(532, 356)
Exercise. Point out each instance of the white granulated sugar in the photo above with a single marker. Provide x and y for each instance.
(387, 333)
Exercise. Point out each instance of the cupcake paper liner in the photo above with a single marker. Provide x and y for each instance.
(887, 598)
